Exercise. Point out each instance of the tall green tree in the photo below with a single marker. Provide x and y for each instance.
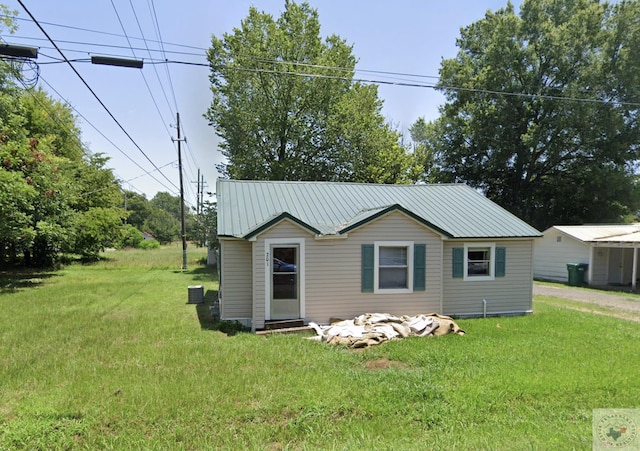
(137, 207)
(164, 227)
(171, 205)
(57, 196)
(203, 230)
(422, 133)
(542, 110)
(167, 202)
(16, 208)
(281, 98)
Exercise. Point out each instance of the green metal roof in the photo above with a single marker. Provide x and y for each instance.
(246, 208)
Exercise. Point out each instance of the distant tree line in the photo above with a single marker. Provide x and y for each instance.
(161, 216)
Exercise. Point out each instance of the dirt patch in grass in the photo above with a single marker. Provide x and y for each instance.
(384, 364)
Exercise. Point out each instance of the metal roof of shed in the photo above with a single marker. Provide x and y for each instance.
(603, 233)
(327, 208)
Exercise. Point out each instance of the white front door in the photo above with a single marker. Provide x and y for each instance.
(285, 282)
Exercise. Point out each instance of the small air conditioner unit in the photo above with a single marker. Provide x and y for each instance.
(196, 294)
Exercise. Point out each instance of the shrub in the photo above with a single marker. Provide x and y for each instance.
(131, 236)
(149, 244)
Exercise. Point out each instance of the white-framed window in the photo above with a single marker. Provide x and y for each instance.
(479, 261)
(393, 267)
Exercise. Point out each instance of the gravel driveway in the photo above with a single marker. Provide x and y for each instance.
(601, 298)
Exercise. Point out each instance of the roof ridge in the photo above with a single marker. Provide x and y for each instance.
(329, 182)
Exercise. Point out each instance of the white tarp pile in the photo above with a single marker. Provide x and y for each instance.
(374, 328)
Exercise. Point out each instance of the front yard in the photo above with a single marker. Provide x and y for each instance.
(112, 356)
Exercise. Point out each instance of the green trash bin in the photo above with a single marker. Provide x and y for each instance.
(576, 273)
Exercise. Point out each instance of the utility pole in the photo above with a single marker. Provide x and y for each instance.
(183, 227)
(198, 202)
(202, 185)
(198, 193)
(200, 196)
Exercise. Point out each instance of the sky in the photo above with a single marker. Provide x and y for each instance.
(406, 37)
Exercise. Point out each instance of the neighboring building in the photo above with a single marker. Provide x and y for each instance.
(611, 251)
(321, 250)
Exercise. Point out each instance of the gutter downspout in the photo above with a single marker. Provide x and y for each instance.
(484, 308)
(634, 271)
(590, 267)
(442, 272)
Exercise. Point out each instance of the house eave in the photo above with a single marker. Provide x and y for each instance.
(500, 237)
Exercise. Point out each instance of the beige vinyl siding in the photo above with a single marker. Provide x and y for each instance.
(504, 295)
(333, 266)
(551, 256)
(235, 258)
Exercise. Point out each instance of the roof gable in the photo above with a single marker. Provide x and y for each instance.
(282, 216)
(367, 216)
(245, 208)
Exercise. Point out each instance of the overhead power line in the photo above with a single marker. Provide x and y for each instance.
(105, 33)
(155, 70)
(432, 86)
(153, 99)
(152, 10)
(92, 91)
(401, 82)
(404, 83)
(107, 46)
(105, 136)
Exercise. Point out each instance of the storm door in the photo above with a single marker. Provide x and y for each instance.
(285, 282)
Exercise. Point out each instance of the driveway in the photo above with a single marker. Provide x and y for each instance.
(617, 301)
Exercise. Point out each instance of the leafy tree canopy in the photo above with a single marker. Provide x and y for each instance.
(542, 111)
(164, 227)
(286, 107)
(137, 207)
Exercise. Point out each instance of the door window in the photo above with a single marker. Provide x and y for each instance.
(285, 273)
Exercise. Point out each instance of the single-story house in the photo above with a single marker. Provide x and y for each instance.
(321, 250)
(611, 251)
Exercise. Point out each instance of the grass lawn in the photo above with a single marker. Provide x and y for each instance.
(111, 356)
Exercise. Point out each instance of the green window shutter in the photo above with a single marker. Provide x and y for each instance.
(367, 268)
(501, 261)
(419, 266)
(458, 262)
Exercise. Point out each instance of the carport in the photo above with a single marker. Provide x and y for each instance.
(622, 261)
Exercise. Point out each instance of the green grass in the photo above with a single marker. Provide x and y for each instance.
(110, 356)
